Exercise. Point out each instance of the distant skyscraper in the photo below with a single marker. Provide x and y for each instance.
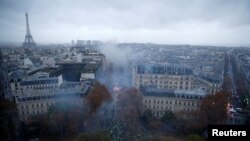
(28, 41)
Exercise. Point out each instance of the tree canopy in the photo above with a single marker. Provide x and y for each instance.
(214, 108)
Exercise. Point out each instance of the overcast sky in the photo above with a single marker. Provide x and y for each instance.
(157, 21)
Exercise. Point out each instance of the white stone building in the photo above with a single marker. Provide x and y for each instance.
(171, 77)
(39, 82)
(161, 100)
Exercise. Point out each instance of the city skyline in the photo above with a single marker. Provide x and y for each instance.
(168, 22)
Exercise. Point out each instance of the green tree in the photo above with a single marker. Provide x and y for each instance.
(168, 116)
(147, 116)
(94, 136)
(194, 137)
(8, 120)
(66, 118)
(188, 122)
(214, 108)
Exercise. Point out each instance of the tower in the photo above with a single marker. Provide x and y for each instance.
(28, 41)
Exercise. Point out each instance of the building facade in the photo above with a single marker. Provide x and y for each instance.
(160, 100)
(34, 95)
(40, 82)
(171, 77)
(39, 104)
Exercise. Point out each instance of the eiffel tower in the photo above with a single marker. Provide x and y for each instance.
(28, 41)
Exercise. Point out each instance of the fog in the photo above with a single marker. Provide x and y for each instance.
(218, 22)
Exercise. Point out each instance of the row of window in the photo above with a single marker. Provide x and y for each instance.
(188, 103)
(162, 107)
(158, 101)
(22, 91)
(55, 96)
(157, 107)
(167, 86)
(37, 82)
(37, 105)
(166, 82)
(173, 87)
(165, 77)
(160, 112)
(34, 112)
(41, 86)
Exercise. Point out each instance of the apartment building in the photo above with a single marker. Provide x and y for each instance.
(160, 100)
(40, 82)
(171, 77)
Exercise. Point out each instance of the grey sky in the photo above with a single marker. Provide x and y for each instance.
(159, 21)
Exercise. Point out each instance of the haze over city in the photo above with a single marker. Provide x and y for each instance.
(213, 22)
